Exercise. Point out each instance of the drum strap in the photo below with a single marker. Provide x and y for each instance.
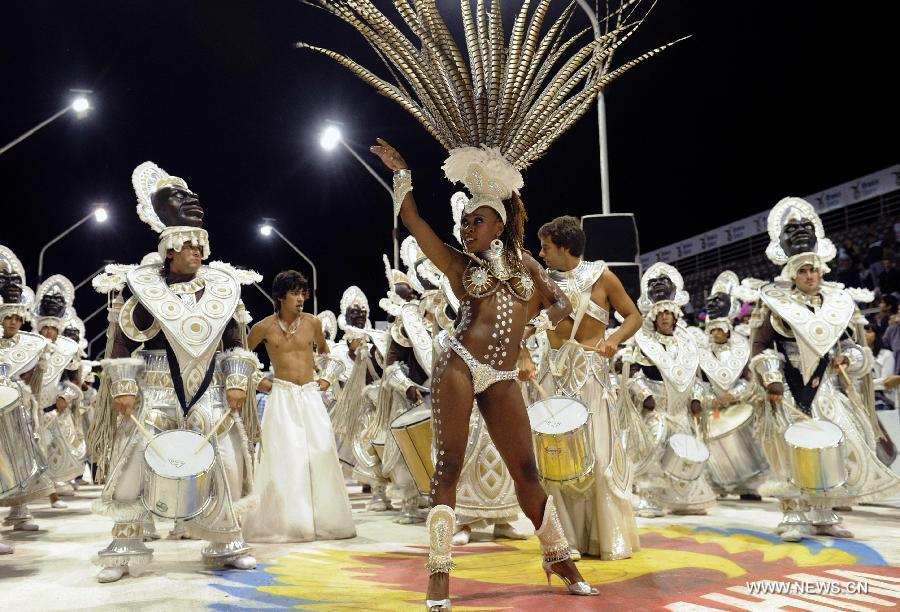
(178, 383)
(804, 394)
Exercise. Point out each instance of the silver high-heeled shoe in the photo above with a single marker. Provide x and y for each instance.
(555, 549)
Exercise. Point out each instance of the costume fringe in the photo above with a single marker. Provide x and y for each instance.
(119, 511)
(639, 443)
(347, 409)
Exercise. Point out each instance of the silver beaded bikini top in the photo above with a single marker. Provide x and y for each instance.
(490, 269)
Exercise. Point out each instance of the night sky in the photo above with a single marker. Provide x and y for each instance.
(767, 99)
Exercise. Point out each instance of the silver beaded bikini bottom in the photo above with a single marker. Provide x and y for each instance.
(483, 375)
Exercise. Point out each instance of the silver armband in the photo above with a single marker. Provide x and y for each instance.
(123, 374)
(768, 365)
(639, 390)
(542, 322)
(237, 366)
(69, 392)
(396, 379)
(402, 186)
(859, 362)
(330, 369)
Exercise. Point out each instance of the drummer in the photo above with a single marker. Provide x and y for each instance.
(668, 391)
(53, 309)
(361, 350)
(596, 515)
(806, 354)
(179, 314)
(20, 352)
(723, 366)
(407, 367)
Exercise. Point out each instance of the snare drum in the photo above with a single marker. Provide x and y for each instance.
(684, 457)
(735, 456)
(20, 461)
(177, 476)
(560, 434)
(413, 432)
(817, 458)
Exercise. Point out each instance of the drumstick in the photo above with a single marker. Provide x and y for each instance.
(540, 389)
(843, 370)
(212, 431)
(147, 435)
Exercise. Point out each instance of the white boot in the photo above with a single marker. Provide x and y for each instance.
(461, 537)
(508, 532)
(835, 531)
(791, 534)
(112, 574)
(379, 501)
(25, 526)
(244, 562)
(5, 549)
(59, 504)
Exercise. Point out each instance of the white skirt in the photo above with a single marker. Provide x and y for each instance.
(302, 496)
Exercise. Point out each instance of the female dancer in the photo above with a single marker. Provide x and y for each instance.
(500, 288)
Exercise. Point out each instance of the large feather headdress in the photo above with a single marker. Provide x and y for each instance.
(500, 108)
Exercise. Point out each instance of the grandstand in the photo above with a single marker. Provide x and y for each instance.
(746, 256)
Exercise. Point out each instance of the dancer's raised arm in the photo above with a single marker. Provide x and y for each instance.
(447, 259)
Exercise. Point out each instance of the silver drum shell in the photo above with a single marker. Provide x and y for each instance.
(21, 461)
(682, 468)
(184, 497)
(735, 457)
(818, 470)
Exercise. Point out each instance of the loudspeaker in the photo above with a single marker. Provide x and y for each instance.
(612, 238)
(630, 275)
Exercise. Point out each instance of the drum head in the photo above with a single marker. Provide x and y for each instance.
(814, 433)
(729, 419)
(181, 457)
(557, 415)
(689, 447)
(411, 417)
(9, 396)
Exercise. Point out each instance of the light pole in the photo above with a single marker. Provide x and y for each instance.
(93, 274)
(99, 214)
(601, 117)
(95, 338)
(331, 137)
(80, 106)
(269, 297)
(267, 229)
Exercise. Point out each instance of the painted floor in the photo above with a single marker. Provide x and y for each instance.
(686, 564)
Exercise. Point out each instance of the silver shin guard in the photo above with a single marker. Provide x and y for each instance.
(554, 546)
(18, 514)
(219, 553)
(441, 525)
(126, 548)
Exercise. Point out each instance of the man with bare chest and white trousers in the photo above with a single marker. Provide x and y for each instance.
(298, 478)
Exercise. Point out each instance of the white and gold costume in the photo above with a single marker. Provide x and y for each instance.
(797, 337)
(179, 376)
(596, 514)
(485, 494)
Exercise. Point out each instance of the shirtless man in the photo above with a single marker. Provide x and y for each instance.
(300, 455)
(596, 514)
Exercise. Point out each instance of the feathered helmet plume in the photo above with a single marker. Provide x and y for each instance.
(500, 108)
